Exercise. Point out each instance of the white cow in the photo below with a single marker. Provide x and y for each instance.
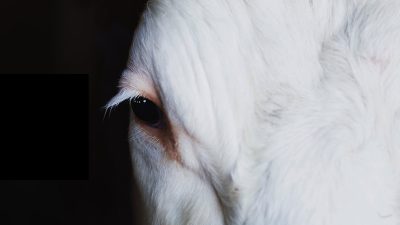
(267, 112)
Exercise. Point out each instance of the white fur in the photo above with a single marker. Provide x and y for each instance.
(287, 112)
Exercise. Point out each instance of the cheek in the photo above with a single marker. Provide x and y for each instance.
(144, 143)
(148, 159)
(149, 148)
(168, 188)
(164, 138)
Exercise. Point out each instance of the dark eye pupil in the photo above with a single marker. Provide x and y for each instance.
(146, 111)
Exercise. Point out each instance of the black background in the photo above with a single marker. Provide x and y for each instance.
(74, 37)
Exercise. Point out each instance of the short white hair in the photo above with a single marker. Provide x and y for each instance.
(283, 112)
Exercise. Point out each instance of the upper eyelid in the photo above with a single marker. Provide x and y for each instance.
(134, 84)
(123, 94)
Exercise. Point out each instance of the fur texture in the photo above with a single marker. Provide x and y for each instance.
(284, 112)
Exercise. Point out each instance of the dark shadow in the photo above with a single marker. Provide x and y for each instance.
(64, 37)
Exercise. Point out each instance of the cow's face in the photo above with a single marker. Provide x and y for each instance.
(251, 113)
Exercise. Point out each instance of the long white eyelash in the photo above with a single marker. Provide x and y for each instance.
(122, 95)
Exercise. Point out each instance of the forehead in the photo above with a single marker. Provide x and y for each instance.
(193, 59)
(217, 65)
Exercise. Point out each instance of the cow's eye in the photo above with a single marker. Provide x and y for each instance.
(147, 112)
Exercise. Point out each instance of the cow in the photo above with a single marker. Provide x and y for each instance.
(266, 112)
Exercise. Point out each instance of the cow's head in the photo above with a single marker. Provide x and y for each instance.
(254, 112)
